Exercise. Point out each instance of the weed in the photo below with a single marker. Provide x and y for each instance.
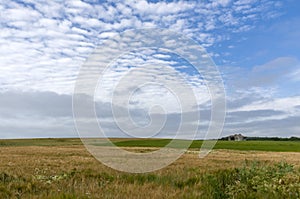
(254, 181)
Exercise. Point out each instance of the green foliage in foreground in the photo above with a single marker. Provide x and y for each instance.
(253, 180)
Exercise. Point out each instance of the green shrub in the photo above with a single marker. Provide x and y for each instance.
(254, 180)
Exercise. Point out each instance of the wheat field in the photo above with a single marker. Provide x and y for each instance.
(69, 171)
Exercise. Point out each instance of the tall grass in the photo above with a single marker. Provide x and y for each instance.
(253, 180)
(69, 171)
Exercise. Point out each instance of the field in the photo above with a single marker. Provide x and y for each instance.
(62, 168)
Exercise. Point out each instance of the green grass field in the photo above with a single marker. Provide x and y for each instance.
(277, 146)
(41, 142)
(288, 146)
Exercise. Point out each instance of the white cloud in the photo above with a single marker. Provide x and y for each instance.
(44, 43)
(44, 32)
(221, 2)
(263, 100)
(274, 74)
(295, 75)
(287, 104)
(147, 65)
(278, 63)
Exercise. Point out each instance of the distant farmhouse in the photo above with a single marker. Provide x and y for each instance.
(240, 137)
(235, 137)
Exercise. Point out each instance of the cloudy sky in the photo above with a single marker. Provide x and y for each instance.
(254, 44)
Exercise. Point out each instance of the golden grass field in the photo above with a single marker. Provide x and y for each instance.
(71, 172)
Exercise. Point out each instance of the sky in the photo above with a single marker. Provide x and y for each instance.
(44, 46)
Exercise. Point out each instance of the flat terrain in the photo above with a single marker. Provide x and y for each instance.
(275, 146)
(62, 168)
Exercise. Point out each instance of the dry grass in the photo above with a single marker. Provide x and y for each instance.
(71, 172)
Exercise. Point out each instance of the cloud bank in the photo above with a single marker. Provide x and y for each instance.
(43, 44)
